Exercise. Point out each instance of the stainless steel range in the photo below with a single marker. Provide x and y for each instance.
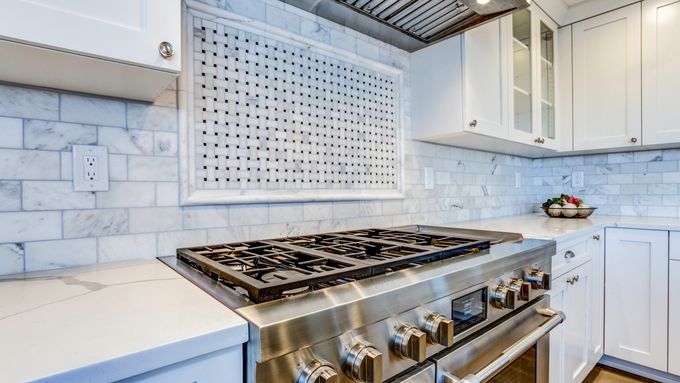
(405, 304)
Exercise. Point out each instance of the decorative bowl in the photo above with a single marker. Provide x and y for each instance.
(566, 212)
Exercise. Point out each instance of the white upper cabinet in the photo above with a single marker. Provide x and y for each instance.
(636, 296)
(531, 38)
(483, 79)
(108, 48)
(606, 80)
(660, 73)
(472, 90)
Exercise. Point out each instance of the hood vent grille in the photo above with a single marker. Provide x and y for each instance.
(409, 24)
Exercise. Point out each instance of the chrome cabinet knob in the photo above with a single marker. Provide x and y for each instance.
(540, 140)
(166, 49)
(521, 288)
(573, 279)
(473, 123)
(318, 371)
(538, 279)
(633, 140)
(596, 237)
(439, 329)
(410, 343)
(364, 363)
(569, 254)
(503, 297)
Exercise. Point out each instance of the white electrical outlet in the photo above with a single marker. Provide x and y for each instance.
(428, 178)
(518, 180)
(577, 179)
(90, 168)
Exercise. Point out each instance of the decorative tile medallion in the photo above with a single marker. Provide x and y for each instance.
(273, 117)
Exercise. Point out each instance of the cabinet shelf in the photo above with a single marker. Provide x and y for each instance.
(517, 45)
(522, 91)
(546, 62)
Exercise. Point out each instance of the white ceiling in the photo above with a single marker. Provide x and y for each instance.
(574, 2)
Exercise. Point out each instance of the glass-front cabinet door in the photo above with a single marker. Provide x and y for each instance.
(531, 77)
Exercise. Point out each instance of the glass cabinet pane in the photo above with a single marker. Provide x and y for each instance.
(547, 82)
(521, 66)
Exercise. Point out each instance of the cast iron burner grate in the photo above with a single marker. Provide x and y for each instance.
(271, 269)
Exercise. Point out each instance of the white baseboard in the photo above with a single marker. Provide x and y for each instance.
(642, 371)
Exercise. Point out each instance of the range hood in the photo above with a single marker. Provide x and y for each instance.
(410, 24)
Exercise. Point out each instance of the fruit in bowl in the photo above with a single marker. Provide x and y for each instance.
(567, 206)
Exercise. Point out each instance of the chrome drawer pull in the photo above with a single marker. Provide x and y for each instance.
(511, 353)
(596, 237)
(569, 254)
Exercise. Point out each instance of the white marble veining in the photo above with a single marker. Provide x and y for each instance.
(203, 217)
(127, 194)
(52, 135)
(54, 195)
(89, 110)
(12, 257)
(165, 143)
(107, 322)
(125, 247)
(152, 168)
(29, 165)
(28, 103)
(29, 226)
(93, 223)
(124, 141)
(155, 219)
(46, 255)
(149, 117)
(10, 195)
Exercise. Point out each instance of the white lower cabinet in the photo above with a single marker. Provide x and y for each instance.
(573, 292)
(636, 296)
(674, 317)
(223, 366)
(576, 346)
(596, 343)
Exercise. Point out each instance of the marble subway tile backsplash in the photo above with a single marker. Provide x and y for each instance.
(642, 183)
(44, 224)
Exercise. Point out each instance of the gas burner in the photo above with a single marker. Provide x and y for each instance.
(278, 268)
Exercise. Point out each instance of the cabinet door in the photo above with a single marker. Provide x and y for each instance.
(569, 344)
(636, 296)
(124, 30)
(674, 318)
(557, 293)
(482, 74)
(660, 75)
(596, 254)
(606, 80)
(545, 64)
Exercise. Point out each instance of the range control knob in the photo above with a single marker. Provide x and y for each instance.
(439, 329)
(521, 288)
(364, 363)
(538, 279)
(318, 371)
(410, 342)
(503, 297)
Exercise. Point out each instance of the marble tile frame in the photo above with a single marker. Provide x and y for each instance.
(191, 195)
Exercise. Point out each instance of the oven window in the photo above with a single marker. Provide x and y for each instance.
(522, 370)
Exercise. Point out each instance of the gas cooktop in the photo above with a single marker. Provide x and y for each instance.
(266, 270)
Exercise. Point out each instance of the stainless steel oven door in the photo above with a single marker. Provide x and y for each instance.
(513, 351)
(424, 373)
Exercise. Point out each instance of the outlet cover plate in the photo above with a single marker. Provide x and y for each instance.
(428, 175)
(90, 168)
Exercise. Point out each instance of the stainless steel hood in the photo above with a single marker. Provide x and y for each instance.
(410, 24)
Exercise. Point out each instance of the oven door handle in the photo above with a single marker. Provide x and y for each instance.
(511, 353)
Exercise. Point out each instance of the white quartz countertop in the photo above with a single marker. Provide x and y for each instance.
(541, 226)
(107, 322)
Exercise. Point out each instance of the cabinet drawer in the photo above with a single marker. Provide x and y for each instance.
(570, 255)
(674, 248)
